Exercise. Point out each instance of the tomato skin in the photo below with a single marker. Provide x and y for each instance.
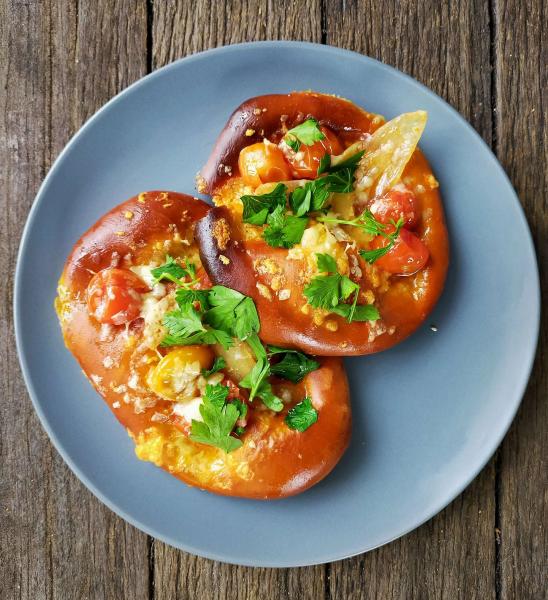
(114, 296)
(261, 163)
(394, 205)
(307, 167)
(406, 257)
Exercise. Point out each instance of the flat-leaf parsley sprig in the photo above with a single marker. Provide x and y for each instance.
(219, 419)
(175, 272)
(307, 133)
(302, 415)
(217, 316)
(331, 291)
(369, 224)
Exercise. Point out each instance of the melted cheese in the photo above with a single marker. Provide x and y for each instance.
(189, 410)
(317, 239)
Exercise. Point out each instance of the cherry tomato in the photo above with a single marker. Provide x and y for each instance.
(263, 163)
(305, 163)
(406, 257)
(168, 378)
(395, 205)
(114, 296)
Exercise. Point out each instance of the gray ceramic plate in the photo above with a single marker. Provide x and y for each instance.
(428, 414)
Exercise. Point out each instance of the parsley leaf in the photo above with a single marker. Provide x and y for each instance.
(360, 312)
(311, 197)
(255, 377)
(218, 365)
(330, 291)
(208, 336)
(348, 287)
(270, 400)
(183, 322)
(302, 415)
(219, 419)
(183, 297)
(232, 312)
(293, 366)
(351, 162)
(257, 208)
(300, 199)
(173, 271)
(306, 133)
(284, 231)
(323, 291)
(326, 263)
(341, 181)
(325, 163)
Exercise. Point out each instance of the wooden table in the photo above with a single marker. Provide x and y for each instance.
(59, 62)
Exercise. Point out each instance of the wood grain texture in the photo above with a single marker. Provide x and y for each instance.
(521, 83)
(182, 28)
(446, 47)
(60, 62)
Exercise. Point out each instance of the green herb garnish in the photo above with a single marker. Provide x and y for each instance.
(173, 271)
(256, 379)
(307, 133)
(325, 163)
(218, 365)
(330, 292)
(302, 415)
(257, 208)
(293, 366)
(369, 224)
(284, 231)
(349, 163)
(222, 315)
(232, 312)
(219, 419)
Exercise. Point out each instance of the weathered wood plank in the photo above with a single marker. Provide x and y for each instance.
(60, 61)
(180, 29)
(521, 81)
(445, 46)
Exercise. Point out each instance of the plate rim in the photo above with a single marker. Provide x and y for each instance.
(27, 375)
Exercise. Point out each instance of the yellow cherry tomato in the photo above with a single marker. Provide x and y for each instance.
(175, 377)
(263, 163)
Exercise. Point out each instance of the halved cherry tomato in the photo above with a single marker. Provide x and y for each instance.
(177, 371)
(305, 163)
(406, 257)
(394, 205)
(263, 163)
(114, 296)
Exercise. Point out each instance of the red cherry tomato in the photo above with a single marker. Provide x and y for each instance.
(407, 256)
(263, 163)
(305, 163)
(114, 296)
(395, 205)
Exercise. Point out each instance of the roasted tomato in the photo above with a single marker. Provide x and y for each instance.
(157, 392)
(407, 256)
(263, 163)
(396, 205)
(276, 262)
(115, 296)
(306, 161)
